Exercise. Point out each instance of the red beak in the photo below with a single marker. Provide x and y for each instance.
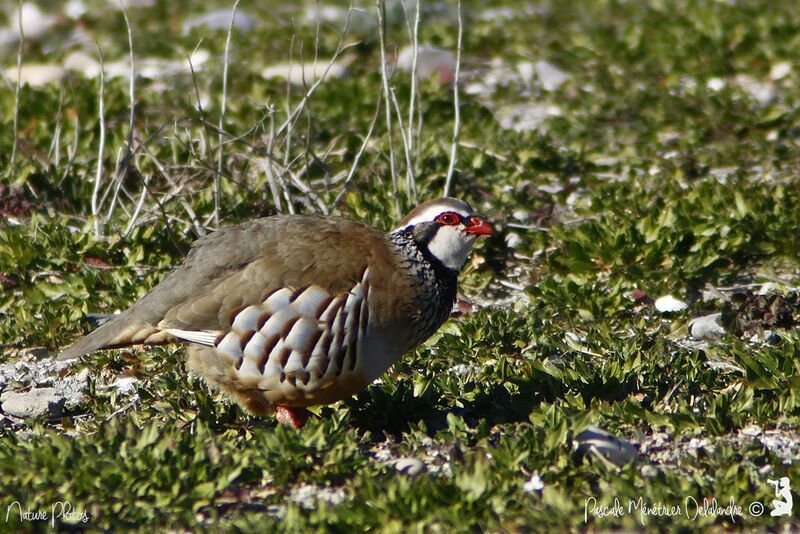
(478, 226)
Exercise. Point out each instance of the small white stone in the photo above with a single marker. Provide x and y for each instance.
(526, 70)
(521, 215)
(38, 402)
(751, 430)
(131, 3)
(715, 84)
(550, 76)
(767, 288)
(576, 197)
(35, 22)
(607, 161)
(648, 471)
(574, 338)
(668, 303)
(597, 441)
(409, 466)
(763, 92)
(308, 495)
(513, 240)
(125, 385)
(36, 75)
(81, 62)
(722, 174)
(220, 19)
(706, 327)
(551, 189)
(526, 117)
(306, 73)
(535, 483)
(75, 9)
(463, 369)
(767, 336)
(780, 70)
(304, 495)
(498, 14)
(430, 60)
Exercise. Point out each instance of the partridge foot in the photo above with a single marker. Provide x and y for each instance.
(295, 417)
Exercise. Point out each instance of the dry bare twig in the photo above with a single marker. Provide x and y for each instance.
(17, 85)
(285, 130)
(55, 146)
(287, 144)
(340, 49)
(224, 103)
(360, 153)
(115, 185)
(139, 205)
(269, 164)
(414, 36)
(101, 148)
(388, 103)
(205, 131)
(198, 228)
(120, 171)
(457, 121)
(72, 151)
(405, 135)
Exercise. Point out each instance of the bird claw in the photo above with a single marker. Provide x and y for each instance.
(294, 417)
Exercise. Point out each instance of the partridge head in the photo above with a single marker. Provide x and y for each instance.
(291, 311)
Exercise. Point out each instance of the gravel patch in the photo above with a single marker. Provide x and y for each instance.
(39, 386)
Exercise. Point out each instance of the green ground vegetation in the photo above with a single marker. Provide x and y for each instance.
(667, 164)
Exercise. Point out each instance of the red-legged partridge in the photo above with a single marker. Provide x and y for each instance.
(292, 311)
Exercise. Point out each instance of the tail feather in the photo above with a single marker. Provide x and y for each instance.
(96, 320)
(116, 332)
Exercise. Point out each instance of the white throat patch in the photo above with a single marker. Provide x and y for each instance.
(451, 246)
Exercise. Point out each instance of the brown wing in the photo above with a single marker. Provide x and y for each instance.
(238, 266)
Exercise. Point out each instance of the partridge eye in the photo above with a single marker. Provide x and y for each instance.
(448, 218)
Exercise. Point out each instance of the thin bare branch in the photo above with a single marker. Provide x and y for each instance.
(123, 171)
(340, 49)
(131, 88)
(287, 145)
(188, 208)
(72, 151)
(405, 135)
(414, 35)
(139, 205)
(102, 145)
(17, 85)
(54, 153)
(217, 176)
(457, 121)
(303, 187)
(360, 152)
(115, 185)
(205, 130)
(388, 102)
(269, 162)
(287, 127)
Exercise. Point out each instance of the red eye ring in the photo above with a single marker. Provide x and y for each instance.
(449, 218)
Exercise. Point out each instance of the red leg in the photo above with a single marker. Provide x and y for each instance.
(295, 417)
